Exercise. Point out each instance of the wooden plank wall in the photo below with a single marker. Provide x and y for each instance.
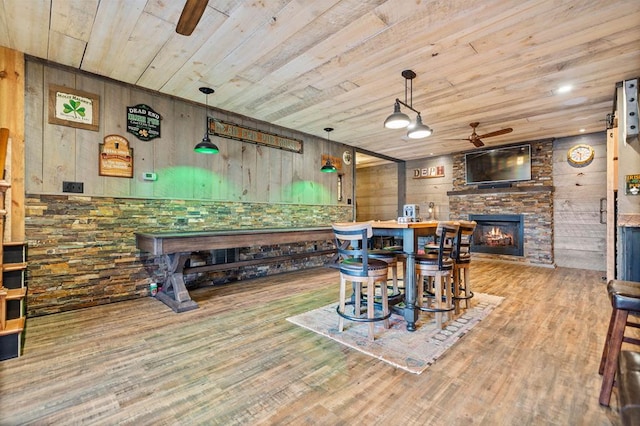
(579, 237)
(423, 191)
(377, 192)
(241, 172)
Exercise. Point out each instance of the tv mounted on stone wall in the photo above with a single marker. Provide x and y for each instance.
(505, 164)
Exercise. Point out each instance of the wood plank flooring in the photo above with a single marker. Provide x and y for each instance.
(236, 360)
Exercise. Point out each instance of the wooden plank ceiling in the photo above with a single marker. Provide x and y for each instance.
(311, 64)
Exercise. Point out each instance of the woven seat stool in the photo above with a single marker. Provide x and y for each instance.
(358, 269)
(625, 300)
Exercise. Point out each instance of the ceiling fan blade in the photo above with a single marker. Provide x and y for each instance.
(477, 142)
(191, 14)
(497, 133)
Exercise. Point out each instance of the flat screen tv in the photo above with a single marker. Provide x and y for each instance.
(506, 164)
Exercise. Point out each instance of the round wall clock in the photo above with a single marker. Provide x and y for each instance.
(580, 155)
(346, 157)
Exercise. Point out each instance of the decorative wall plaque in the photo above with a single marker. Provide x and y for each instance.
(632, 184)
(245, 134)
(74, 108)
(143, 122)
(115, 157)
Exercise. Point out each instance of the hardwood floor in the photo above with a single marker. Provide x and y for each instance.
(236, 360)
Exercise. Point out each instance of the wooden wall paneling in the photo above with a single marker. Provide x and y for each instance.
(175, 160)
(377, 192)
(59, 142)
(219, 162)
(35, 104)
(579, 237)
(287, 176)
(301, 164)
(114, 106)
(233, 164)
(262, 175)
(249, 172)
(319, 183)
(274, 185)
(144, 151)
(219, 189)
(87, 142)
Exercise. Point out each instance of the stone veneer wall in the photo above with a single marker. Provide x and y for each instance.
(82, 253)
(533, 199)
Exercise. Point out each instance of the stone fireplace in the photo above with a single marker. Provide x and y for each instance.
(531, 202)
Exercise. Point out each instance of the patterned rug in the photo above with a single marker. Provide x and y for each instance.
(413, 352)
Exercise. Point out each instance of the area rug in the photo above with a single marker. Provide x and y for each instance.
(410, 351)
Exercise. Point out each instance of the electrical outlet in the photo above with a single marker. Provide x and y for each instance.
(75, 187)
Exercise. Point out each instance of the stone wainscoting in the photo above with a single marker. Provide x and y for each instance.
(82, 252)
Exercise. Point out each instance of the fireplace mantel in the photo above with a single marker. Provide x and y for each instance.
(516, 189)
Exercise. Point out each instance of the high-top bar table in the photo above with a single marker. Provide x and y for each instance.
(409, 232)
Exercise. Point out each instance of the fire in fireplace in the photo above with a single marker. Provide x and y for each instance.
(498, 234)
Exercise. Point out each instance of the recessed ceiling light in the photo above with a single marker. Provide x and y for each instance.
(565, 89)
(582, 130)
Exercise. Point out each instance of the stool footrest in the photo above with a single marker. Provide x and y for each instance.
(359, 318)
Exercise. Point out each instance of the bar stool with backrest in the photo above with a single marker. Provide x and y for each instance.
(437, 265)
(462, 259)
(357, 268)
(392, 255)
(625, 300)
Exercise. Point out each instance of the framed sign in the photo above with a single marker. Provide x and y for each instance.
(115, 157)
(632, 184)
(143, 122)
(258, 137)
(74, 108)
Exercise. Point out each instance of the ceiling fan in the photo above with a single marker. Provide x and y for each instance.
(191, 14)
(476, 139)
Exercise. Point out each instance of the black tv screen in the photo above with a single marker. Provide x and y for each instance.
(507, 164)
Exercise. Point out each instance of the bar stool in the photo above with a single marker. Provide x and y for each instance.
(462, 264)
(625, 300)
(437, 266)
(391, 255)
(357, 268)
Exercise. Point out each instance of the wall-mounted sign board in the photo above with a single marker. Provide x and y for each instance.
(428, 172)
(632, 184)
(245, 134)
(143, 122)
(74, 108)
(115, 157)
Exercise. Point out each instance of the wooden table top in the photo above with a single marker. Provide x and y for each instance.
(395, 224)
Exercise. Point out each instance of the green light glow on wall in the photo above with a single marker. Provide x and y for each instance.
(183, 182)
(309, 192)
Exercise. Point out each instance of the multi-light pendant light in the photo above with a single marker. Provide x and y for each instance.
(206, 146)
(400, 120)
(328, 167)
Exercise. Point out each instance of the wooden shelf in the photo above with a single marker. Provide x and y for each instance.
(14, 326)
(8, 267)
(16, 293)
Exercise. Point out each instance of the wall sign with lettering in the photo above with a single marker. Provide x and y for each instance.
(74, 108)
(115, 157)
(143, 122)
(245, 134)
